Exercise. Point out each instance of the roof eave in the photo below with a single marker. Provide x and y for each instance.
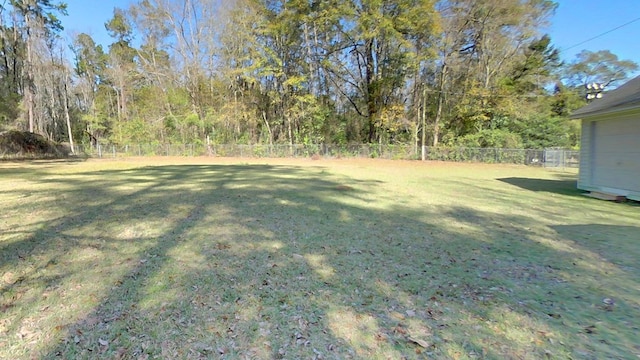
(608, 111)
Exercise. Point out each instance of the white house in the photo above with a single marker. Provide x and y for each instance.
(610, 144)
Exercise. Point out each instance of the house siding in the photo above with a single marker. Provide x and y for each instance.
(584, 174)
(610, 154)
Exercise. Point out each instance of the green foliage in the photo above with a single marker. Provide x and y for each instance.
(134, 131)
(44, 11)
(601, 67)
(464, 72)
(9, 109)
(565, 100)
(540, 61)
(540, 132)
(387, 36)
(90, 59)
(491, 138)
(119, 27)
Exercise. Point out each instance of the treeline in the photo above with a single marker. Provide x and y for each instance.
(455, 72)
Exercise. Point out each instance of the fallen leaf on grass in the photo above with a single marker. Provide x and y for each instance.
(396, 315)
(608, 304)
(9, 278)
(92, 321)
(381, 337)
(223, 246)
(399, 329)
(121, 353)
(420, 342)
(26, 334)
(545, 334)
(203, 348)
(590, 329)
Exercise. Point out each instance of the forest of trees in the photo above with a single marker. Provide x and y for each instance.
(454, 72)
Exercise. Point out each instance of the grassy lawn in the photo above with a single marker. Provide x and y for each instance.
(301, 259)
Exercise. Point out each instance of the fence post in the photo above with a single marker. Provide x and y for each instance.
(113, 150)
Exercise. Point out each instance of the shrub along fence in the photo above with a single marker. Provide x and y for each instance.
(558, 157)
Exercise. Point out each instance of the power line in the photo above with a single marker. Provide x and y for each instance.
(601, 34)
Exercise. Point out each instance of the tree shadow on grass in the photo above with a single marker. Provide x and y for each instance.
(577, 282)
(100, 240)
(564, 186)
(43, 161)
(615, 243)
(290, 262)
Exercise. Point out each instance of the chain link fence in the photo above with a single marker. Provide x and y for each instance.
(555, 158)
(561, 158)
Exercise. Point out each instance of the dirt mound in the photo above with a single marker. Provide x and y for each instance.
(23, 144)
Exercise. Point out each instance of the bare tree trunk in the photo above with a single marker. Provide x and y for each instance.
(28, 96)
(65, 100)
(290, 134)
(118, 104)
(264, 117)
(28, 89)
(123, 100)
(372, 109)
(424, 123)
(416, 132)
(312, 80)
(436, 123)
(52, 105)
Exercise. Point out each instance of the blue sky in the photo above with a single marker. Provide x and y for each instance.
(574, 22)
(579, 20)
(89, 16)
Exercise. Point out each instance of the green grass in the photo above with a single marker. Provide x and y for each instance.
(301, 259)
